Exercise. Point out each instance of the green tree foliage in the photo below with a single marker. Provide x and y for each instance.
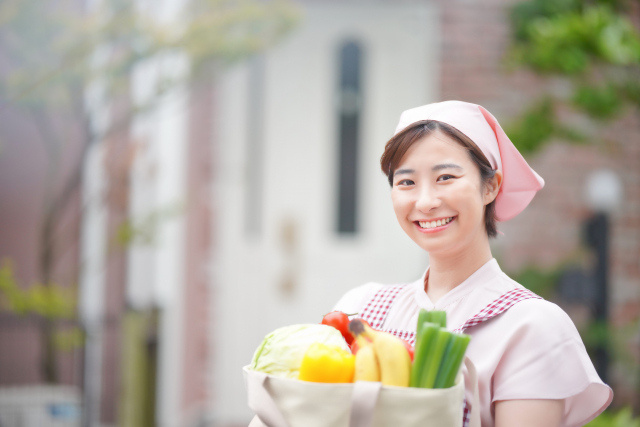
(567, 37)
(51, 301)
(538, 125)
(592, 45)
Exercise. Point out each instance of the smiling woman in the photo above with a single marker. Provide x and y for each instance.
(401, 142)
(453, 173)
(439, 198)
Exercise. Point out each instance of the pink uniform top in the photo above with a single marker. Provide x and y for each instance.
(531, 351)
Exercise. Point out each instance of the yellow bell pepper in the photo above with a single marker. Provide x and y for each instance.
(325, 363)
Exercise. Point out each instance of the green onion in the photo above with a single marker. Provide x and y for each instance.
(452, 360)
(424, 343)
(438, 317)
(423, 316)
(433, 358)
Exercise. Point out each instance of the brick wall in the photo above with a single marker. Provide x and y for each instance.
(118, 158)
(199, 215)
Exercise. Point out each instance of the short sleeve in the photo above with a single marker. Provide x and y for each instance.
(355, 299)
(544, 358)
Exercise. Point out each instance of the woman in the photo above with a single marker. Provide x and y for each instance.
(453, 173)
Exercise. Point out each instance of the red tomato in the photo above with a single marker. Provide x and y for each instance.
(409, 347)
(340, 321)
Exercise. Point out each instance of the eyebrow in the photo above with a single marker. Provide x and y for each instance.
(446, 166)
(403, 171)
(434, 168)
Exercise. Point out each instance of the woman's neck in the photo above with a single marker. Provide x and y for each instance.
(447, 271)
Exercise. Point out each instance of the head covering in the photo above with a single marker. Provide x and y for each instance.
(519, 183)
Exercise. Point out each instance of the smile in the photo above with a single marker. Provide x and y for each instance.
(433, 224)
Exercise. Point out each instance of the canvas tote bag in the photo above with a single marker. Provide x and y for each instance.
(283, 402)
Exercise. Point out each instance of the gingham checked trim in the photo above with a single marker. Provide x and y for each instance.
(466, 414)
(375, 312)
(501, 304)
(410, 337)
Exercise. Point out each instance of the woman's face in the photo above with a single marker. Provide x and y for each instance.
(438, 196)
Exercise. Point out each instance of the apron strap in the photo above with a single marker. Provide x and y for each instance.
(376, 310)
(498, 306)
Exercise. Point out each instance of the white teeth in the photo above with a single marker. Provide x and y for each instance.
(432, 224)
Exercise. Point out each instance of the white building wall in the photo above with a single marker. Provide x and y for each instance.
(298, 189)
(156, 273)
(94, 246)
(94, 241)
(156, 266)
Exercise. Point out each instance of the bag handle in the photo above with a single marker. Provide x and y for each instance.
(363, 401)
(258, 391)
(472, 375)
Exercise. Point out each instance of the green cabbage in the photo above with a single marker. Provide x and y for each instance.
(281, 351)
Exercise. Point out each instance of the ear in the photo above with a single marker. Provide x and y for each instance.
(492, 188)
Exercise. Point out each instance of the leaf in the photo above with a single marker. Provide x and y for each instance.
(541, 282)
(573, 37)
(621, 418)
(600, 102)
(534, 128)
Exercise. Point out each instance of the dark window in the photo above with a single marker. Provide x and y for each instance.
(349, 110)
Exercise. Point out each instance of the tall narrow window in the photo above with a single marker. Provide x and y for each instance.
(350, 58)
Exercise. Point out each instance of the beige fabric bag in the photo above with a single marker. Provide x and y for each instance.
(281, 402)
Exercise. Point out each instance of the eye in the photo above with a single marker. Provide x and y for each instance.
(404, 182)
(445, 177)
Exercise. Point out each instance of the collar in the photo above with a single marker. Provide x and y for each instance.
(481, 277)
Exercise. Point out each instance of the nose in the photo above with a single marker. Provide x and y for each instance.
(427, 200)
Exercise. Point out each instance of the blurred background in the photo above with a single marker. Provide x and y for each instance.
(180, 177)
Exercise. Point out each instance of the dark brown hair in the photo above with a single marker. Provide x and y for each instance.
(400, 143)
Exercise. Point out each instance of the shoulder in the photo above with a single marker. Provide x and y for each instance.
(533, 313)
(539, 317)
(540, 347)
(542, 356)
(354, 300)
(527, 327)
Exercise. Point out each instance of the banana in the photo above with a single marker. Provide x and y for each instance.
(392, 356)
(394, 360)
(366, 364)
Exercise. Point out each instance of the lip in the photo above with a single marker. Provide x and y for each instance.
(435, 229)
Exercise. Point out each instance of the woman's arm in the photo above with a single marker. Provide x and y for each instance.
(529, 413)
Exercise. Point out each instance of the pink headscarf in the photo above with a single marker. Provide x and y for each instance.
(519, 183)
